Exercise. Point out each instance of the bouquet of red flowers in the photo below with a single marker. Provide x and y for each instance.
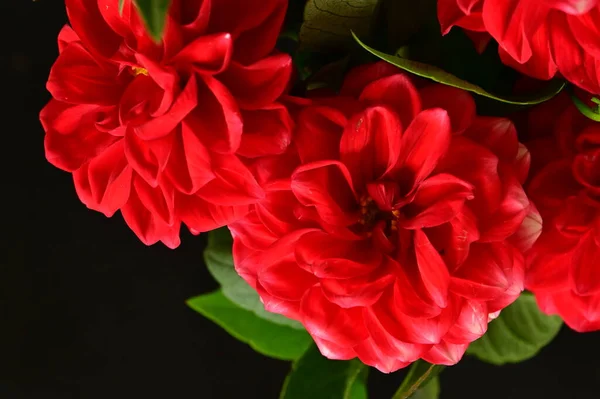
(385, 184)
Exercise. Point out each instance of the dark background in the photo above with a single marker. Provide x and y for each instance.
(87, 311)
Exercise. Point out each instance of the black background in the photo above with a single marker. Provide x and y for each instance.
(90, 312)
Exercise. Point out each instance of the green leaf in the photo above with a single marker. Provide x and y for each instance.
(219, 261)
(593, 114)
(121, 5)
(419, 375)
(439, 75)
(328, 23)
(268, 338)
(517, 334)
(430, 391)
(154, 14)
(315, 377)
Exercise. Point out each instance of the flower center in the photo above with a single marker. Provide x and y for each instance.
(371, 216)
(139, 71)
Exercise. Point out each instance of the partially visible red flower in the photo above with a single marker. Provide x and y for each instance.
(537, 37)
(564, 265)
(400, 232)
(160, 131)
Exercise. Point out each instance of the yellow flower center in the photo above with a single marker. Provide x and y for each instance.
(139, 71)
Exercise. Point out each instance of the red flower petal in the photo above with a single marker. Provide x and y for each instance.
(267, 131)
(576, 65)
(358, 78)
(445, 353)
(71, 138)
(432, 269)
(260, 84)
(159, 201)
(357, 291)
(189, 166)
(424, 142)
(549, 262)
(233, 183)
(541, 64)
(496, 134)
(458, 103)
(397, 92)
(66, 36)
(574, 7)
(416, 330)
(104, 183)
(334, 351)
(200, 215)
(209, 54)
(165, 124)
(370, 145)
(585, 272)
(511, 23)
(325, 320)
(486, 273)
(285, 280)
(148, 158)
(148, 228)
(86, 20)
(438, 200)
(217, 122)
(318, 133)
(471, 323)
(372, 355)
(327, 186)
(328, 257)
(78, 78)
(254, 28)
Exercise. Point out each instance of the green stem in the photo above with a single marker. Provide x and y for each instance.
(409, 386)
(593, 114)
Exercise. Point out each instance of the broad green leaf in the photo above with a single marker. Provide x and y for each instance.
(517, 334)
(154, 14)
(593, 114)
(219, 261)
(268, 338)
(439, 75)
(419, 375)
(328, 23)
(315, 377)
(431, 390)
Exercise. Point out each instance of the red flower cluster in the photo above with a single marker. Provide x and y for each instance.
(158, 130)
(395, 225)
(400, 232)
(564, 264)
(537, 37)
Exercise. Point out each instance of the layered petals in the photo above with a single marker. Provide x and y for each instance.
(163, 130)
(402, 227)
(538, 37)
(562, 265)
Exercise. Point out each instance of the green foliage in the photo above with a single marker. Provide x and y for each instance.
(268, 338)
(154, 14)
(431, 390)
(328, 24)
(517, 334)
(590, 113)
(419, 376)
(439, 75)
(315, 377)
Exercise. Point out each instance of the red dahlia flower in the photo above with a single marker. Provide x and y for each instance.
(564, 265)
(537, 37)
(156, 130)
(400, 232)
